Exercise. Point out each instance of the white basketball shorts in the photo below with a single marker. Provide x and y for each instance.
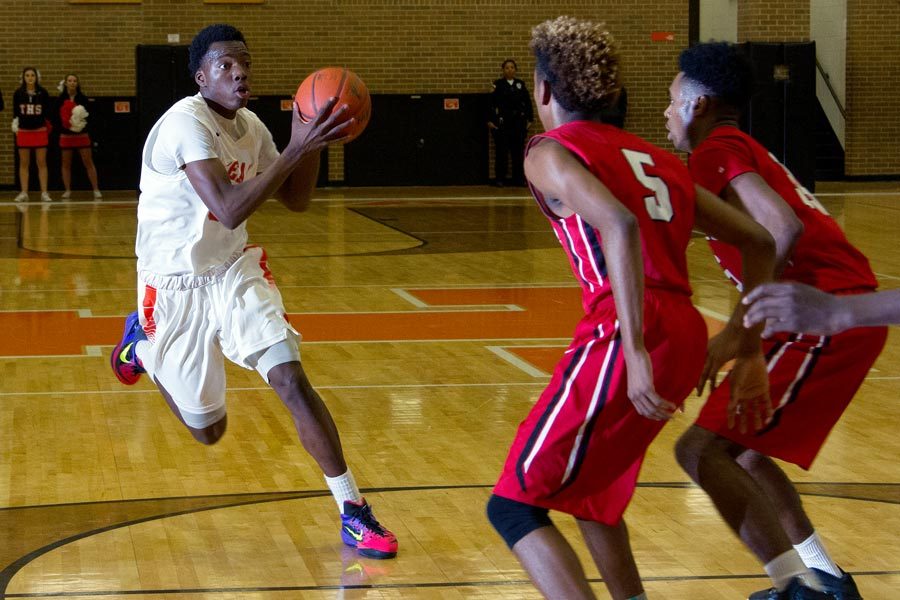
(235, 314)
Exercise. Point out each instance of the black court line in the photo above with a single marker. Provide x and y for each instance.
(274, 495)
(7, 574)
(467, 486)
(389, 586)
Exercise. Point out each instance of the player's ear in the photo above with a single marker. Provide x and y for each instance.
(200, 78)
(546, 92)
(701, 105)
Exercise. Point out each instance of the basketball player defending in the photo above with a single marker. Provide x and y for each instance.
(623, 211)
(812, 378)
(205, 295)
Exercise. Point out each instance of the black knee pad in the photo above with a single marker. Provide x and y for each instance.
(514, 520)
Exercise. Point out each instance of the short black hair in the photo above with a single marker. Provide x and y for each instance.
(509, 60)
(206, 38)
(722, 69)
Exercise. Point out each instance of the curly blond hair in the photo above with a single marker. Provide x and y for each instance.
(580, 62)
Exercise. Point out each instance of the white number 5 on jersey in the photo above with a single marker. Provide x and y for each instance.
(659, 207)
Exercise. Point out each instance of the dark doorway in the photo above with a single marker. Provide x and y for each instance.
(421, 139)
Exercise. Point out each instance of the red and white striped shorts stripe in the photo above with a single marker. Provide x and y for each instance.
(812, 380)
(581, 447)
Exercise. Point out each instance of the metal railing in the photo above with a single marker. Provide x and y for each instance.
(827, 79)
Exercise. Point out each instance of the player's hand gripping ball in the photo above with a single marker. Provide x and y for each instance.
(338, 82)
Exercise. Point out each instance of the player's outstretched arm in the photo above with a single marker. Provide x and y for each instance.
(558, 175)
(801, 308)
(749, 385)
(231, 203)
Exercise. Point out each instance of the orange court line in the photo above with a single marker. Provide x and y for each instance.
(547, 313)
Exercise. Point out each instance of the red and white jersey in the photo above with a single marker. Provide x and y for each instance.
(180, 244)
(822, 257)
(652, 183)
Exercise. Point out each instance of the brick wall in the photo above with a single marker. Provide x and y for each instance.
(872, 127)
(773, 21)
(873, 88)
(396, 46)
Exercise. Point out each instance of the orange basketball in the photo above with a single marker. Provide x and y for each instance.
(328, 82)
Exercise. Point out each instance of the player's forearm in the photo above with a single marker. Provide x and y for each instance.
(625, 270)
(758, 256)
(233, 204)
(785, 240)
(867, 310)
(297, 190)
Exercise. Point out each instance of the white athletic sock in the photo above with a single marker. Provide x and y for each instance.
(785, 567)
(814, 555)
(343, 487)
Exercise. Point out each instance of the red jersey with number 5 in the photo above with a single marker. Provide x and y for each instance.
(822, 257)
(651, 183)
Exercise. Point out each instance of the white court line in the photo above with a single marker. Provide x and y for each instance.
(886, 276)
(711, 313)
(82, 312)
(264, 388)
(517, 362)
(474, 286)
(92, 349)
(409, 298)
(437, 308)
(389, 199)
(449, 308)
(112, 202)
(479, 231)
(823, 194)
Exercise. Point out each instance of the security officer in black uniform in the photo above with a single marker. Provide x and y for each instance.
(511, 113)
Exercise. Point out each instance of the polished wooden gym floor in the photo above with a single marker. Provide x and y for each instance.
(431, 320)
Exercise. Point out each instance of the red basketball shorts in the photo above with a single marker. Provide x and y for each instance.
(811, 380)
(580, 449)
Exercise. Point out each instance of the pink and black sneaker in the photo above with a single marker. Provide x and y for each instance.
(360, 529)
(124, 360)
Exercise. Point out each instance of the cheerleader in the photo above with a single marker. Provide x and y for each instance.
(31, 103)
(74, 135)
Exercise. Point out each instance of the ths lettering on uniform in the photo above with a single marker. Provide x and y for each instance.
(30, 109)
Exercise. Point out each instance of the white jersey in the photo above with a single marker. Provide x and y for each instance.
(180, 244)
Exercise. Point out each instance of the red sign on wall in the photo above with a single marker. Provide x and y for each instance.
(122, 106)
(451, 103)
(662, 36)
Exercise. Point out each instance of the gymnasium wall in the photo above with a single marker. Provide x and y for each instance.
(438, 46)
(396, 46)
(872, 73)
(773, 21)
(873, 88)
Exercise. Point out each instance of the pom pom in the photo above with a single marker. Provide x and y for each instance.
(78, 119)
(15, 125)
(61, 85)
(65, 113)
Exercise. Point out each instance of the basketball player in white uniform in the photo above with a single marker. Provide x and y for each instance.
(204, 294)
